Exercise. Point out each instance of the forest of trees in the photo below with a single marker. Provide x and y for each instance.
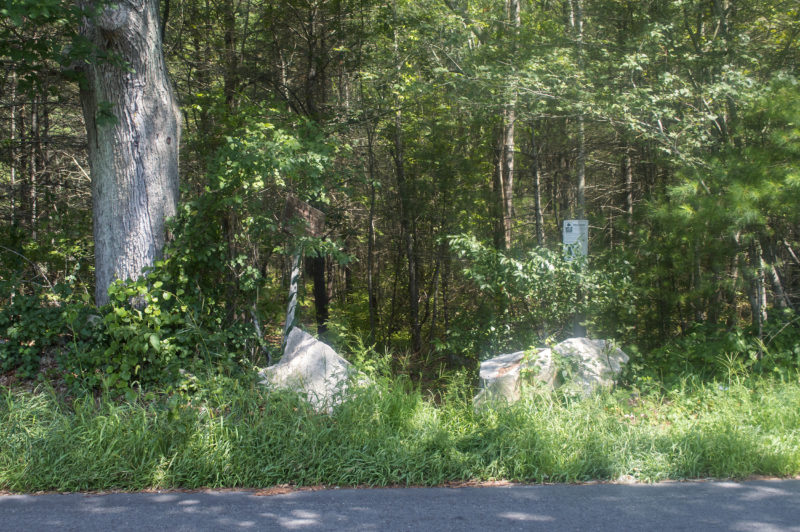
(445, 141)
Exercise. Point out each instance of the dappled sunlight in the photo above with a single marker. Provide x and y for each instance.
(521, 516)
(608, 507)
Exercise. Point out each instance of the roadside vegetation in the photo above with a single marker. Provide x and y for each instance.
(409, 167)
(223, 429)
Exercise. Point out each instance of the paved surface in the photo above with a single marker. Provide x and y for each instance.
(758, 505)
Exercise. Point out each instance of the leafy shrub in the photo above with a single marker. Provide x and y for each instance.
(148, 333)
(225, 237)
(713, 351)
(526, 300)
(30, 323)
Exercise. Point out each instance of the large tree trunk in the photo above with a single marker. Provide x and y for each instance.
(132, 123)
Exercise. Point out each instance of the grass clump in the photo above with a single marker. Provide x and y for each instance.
(235, 433)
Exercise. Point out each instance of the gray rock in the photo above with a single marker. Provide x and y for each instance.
(589, 364)
(580, 364)
(313, 369)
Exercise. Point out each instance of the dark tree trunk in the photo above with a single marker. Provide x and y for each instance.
(318, 271)
(409, 235)
(371, 295)
(13, 148)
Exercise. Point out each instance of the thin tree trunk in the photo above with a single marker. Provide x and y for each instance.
(409, 234)
(13, 148)
(509, 122)
(33, 169)
(761, 292)
(781, 298)
(791, 252)
(504, 170)
(537, 188)
(761, 280)
(231, 81)
(435, 293)
(164, 20)
(132, 122)
(373, 304)
(754, 276)
(627, 167)
(406, 217)
(580, 210)
(576, 19)
(498, 192)
(557, 215)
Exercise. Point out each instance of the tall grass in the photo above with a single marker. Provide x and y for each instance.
(232, 433)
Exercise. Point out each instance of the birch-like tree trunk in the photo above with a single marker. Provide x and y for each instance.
(133, 128)
(537, 188)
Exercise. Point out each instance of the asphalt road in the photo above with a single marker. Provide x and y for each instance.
(698, 506)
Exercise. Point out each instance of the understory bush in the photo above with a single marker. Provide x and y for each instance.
(30, 324)
(714, 351)
(527, 300)
(146, 334)
(206, 302)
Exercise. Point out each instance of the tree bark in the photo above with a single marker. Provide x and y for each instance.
(33, 169)
(132, 123)
(371, 295)
(627, 167)
(13, 148)
(576, 20)
(504, 171)
(509, 121)
(498, 191)
(537, 188)
(409, 234)
(317, 267)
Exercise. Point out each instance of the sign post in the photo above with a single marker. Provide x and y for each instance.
(576, 244)
(299, 219)
(576, 239)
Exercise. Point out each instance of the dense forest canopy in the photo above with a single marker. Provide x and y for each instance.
(445, 141)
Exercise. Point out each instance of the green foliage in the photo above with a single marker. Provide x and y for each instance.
(700, 103)
(188, 308)
(702, 246)
(714, 352)
(524, 301)
(30, 325)
(223, 432)
(41, 36)
(225, 236)
(149, 333)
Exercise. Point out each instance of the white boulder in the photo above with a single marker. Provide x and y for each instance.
(312, 368)
(578, 363)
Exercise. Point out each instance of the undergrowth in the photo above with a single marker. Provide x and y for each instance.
(225, 432)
